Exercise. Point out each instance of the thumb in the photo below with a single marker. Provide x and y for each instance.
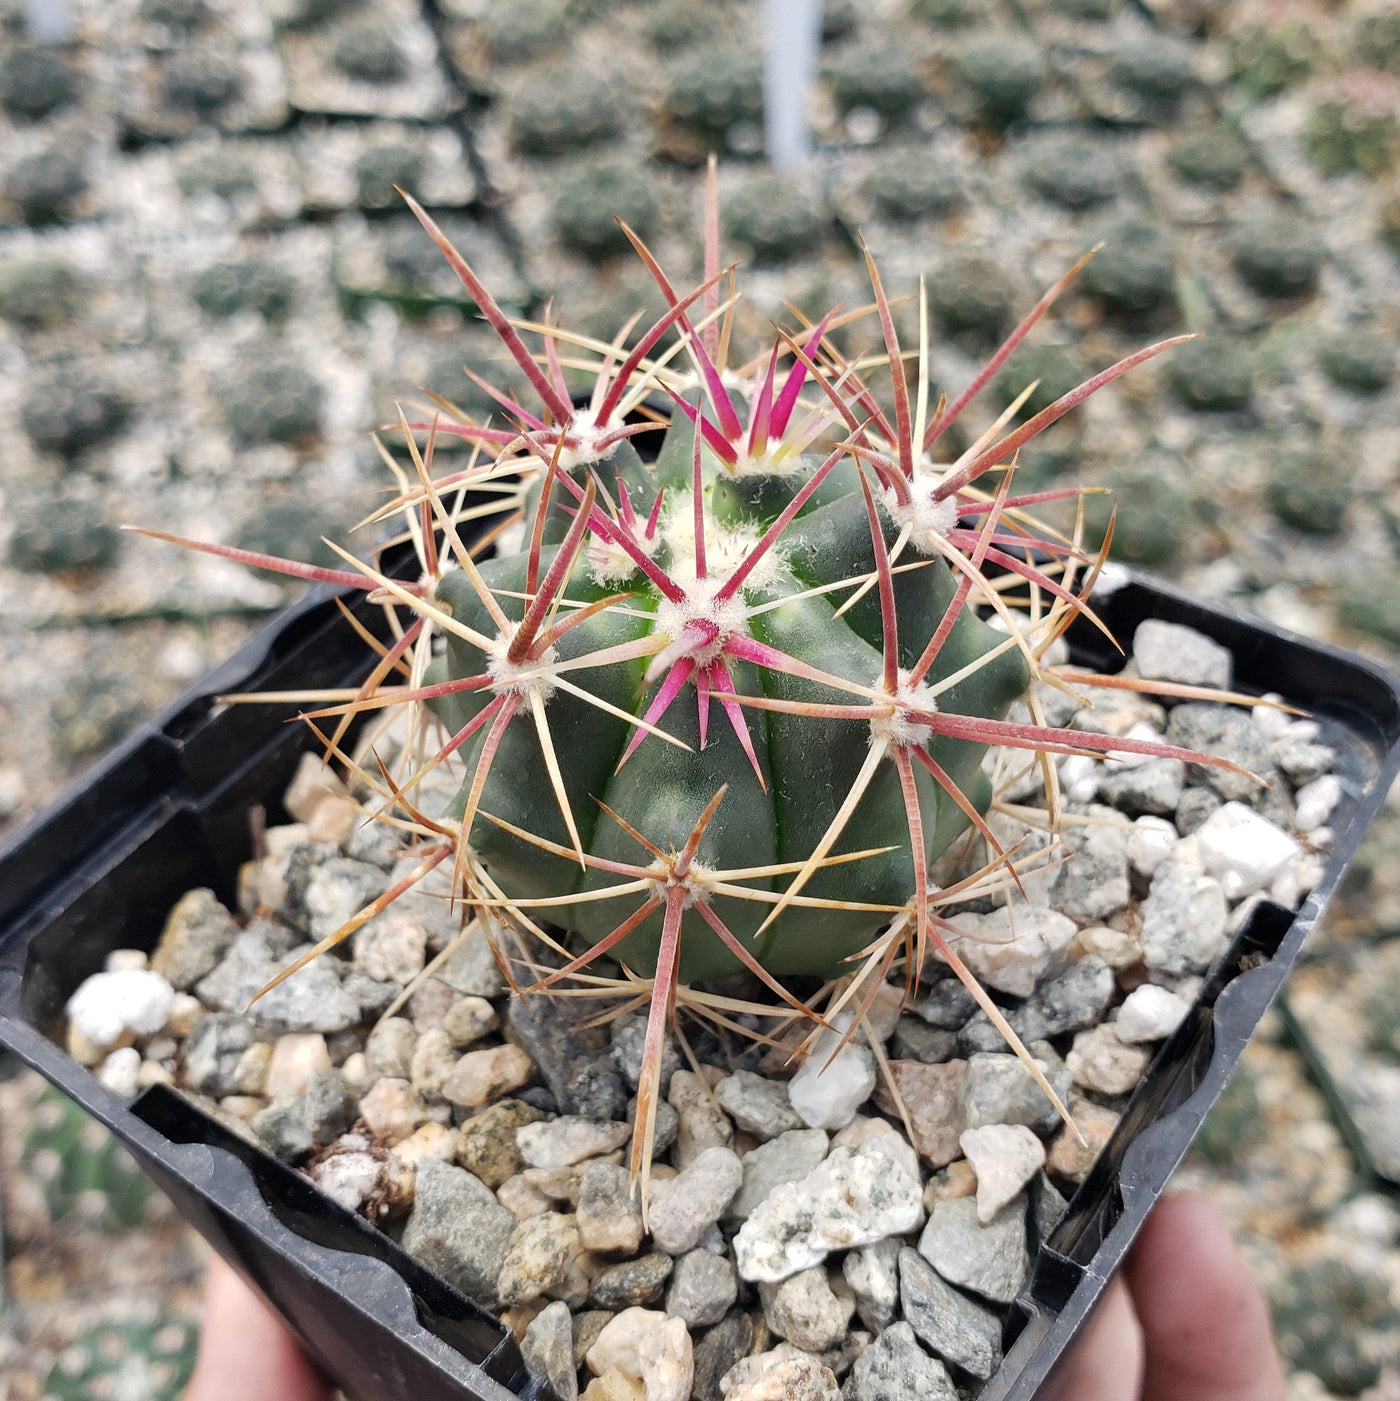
(245, 1350)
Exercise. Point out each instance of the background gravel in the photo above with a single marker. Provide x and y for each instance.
(207, 295)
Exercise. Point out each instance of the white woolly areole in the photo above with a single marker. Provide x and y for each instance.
(510, 678)
(694, 885)
(896, 724)
(929, 519)
(583, 442)
(610, 564)
(727, 616)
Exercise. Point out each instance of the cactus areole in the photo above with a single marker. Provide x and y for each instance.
(718, 713)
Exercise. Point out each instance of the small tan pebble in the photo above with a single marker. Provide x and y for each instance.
(333, 820)
(126, 960)
(249, 1076)
(702, 1123)
(293, 1060)
(609, 1213)
(884, 1011)
(1099, 1061)
(282, 840)
(956, 1180)
(522, 1198)
(468, 1019)
(152, 1072)
(1005, 1158)
(482, 1076)
(520, 1316)
(84, 1051)
(185, 1010)
(1117, 948)
(1068, 1157)
(561, 1184)
(431, 1141)
(120, 1071)
(540, 1259)
(242, 1106)
(569, 1139)
(357, 1072)
(248, 887)
(648, 1346)
(614, 1385)
(433, 1061)
(392, 1110)
(486, 1145)
(311, 784)
(389, 1047)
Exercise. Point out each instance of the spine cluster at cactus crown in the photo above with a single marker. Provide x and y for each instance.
(719, 713)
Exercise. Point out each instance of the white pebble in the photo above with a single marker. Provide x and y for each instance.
(1316, 801)
(1150, 841)
(126, 960)
(108, 1005)
(827, 1090)
(1243, 850)
(1149, 1013)
(1004, 1157)
(1079, 778)
(121, 1071)
(1169, 652)
(1015, 946)
(1271, 721)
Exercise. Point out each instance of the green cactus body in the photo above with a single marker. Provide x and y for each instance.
(150, 1360)
(808, 765)
(80, 1168)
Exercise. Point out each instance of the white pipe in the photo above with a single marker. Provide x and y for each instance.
(791, 40)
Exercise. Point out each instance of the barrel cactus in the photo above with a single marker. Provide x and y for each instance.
(718, 714)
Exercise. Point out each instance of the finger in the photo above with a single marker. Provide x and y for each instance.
(1205, 1323)
(1106, 1362)
(245, 1350)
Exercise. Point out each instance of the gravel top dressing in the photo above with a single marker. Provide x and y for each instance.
(853, 1221)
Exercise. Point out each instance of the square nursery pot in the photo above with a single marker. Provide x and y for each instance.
(168, 811)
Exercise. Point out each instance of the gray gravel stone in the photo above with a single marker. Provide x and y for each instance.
(757, 1105)
(323, 896)
(1183, 919)
(609, 1215)
(947, 1006)
(575, 1064)
(389, 1047)
(329, 1106)
(702, 1123)
(198, 933)
(1224, 732)
(703, 1288)
(895, 1368)
(787, 1158)
(1077, 998)
(391, 947)
(948, 1322)
(872, 1272)
(685, 1206)
(548, 1347)
(458, 1228)
(998, 1089)
(628, 1038)
(717, 1352)
(1154, 787)
(632, 1284)
(914, 1039)
(283, 1130)
(471, 969)
(804, 1309)
(215, 1046)
(991, 1260)
(1195, 808)
(1092, 883)
(1170, 652)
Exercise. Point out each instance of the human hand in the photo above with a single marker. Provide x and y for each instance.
(1183, 1322)
(245, 1351)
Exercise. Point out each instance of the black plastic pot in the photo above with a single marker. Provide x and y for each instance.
(169, 810)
